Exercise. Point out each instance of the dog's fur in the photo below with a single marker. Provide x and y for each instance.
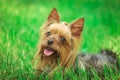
(60, 39)
(97, 60)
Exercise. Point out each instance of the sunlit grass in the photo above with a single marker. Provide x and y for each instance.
(20, 21)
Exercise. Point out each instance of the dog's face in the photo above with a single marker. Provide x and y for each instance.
(58, 37)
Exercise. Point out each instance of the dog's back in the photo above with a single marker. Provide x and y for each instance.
(98, 61)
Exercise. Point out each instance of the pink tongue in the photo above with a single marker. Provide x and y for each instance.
(48, 52)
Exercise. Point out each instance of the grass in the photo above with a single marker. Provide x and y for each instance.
(20, 21)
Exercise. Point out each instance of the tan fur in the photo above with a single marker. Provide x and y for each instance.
(67, 51)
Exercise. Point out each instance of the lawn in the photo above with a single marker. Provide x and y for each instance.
(20, 21)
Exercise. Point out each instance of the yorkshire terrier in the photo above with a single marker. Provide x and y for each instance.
(59, 44)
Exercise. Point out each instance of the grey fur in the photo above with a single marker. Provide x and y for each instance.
(98, 61)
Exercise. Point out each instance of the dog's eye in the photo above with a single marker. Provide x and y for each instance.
(62, 39)
(48, 33)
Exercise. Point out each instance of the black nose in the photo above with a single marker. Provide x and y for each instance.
(50, 42)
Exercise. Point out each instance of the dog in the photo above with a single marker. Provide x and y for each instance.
(59, 46)
(59, 43)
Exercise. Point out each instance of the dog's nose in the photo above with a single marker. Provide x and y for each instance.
(50, 42)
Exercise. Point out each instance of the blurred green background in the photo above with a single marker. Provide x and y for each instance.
(20, 21)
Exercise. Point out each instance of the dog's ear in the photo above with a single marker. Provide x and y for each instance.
(54, 15)
(77, 27)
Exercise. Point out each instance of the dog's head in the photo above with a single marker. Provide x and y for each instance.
(60, 39)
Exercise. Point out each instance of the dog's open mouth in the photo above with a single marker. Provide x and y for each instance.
(48, 51)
